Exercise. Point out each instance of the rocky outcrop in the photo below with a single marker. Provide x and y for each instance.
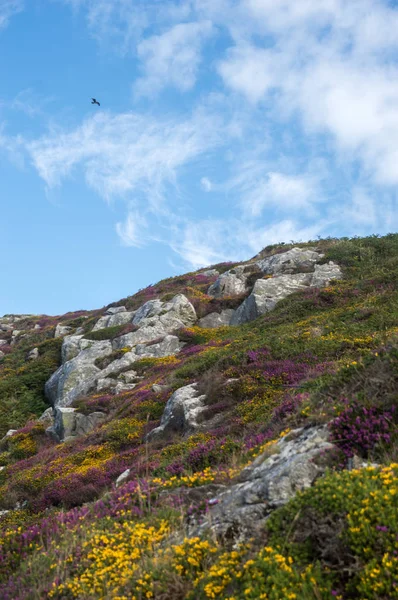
(324, 274)
(230, 283)
(79, 373)
(290, 261)
(215, 319)
(181, 413)
(69, 423)
(292, 464)
(266, 293)
(116, 315)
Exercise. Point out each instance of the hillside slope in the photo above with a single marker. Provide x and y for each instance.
(230, 433)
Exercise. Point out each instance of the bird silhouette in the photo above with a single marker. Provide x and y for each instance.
(94, 101)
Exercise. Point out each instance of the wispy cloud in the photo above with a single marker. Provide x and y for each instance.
(132, 230)
(172, 58)
(125, 152)
(9, 8)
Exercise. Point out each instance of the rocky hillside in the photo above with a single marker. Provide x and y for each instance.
(226, 434)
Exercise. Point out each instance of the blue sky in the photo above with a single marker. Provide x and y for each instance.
(224, 126)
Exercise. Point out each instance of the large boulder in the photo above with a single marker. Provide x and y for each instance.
(155, 319)
(292, 464)
(213, 320)
(116, 315)
(290, 261)
(181, 412)
(266, 293)
(324, 274)
(69, 423)
(178, 312)
(78, 375)
(61, 330)
(230, 283)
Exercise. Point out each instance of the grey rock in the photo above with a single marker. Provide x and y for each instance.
(61, 330)
(122, 477)
(150, 309)
(2, 354)
(47, 416)
(144, 334)
(113, 310)
(288, 262)
(111, 319)
(105, 383)
(230, 283)
(124, 387)
(266, 293)
(36, 327)
(155, 319)
(210, 272)
(167, 347)
(269, 482)
(181, 412)
(15, 334)
(130, 376)
(324, 274)
(213, 320)
(71, 347)
(78, 375)
(33, 354)
(3, 343)
(158, 389)
(69, 423)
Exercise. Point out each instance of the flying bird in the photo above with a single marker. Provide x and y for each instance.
(94, 101)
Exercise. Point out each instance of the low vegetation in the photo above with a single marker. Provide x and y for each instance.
(323, 356)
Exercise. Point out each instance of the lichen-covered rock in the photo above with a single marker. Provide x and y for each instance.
(69, 423)
(116, 315)
(266, 293)
(324, 274)
(269, 482)
(33, 354)
(78, 375)
(288, 262)
(61, 330)
(230, 283)
(181, 412)
(213, 320)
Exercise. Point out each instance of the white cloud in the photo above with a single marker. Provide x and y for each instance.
(124, 153)
(9, 8)
(206, 184)
(327, 64)
(281, 191)
(132, 231)
(172, 58)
